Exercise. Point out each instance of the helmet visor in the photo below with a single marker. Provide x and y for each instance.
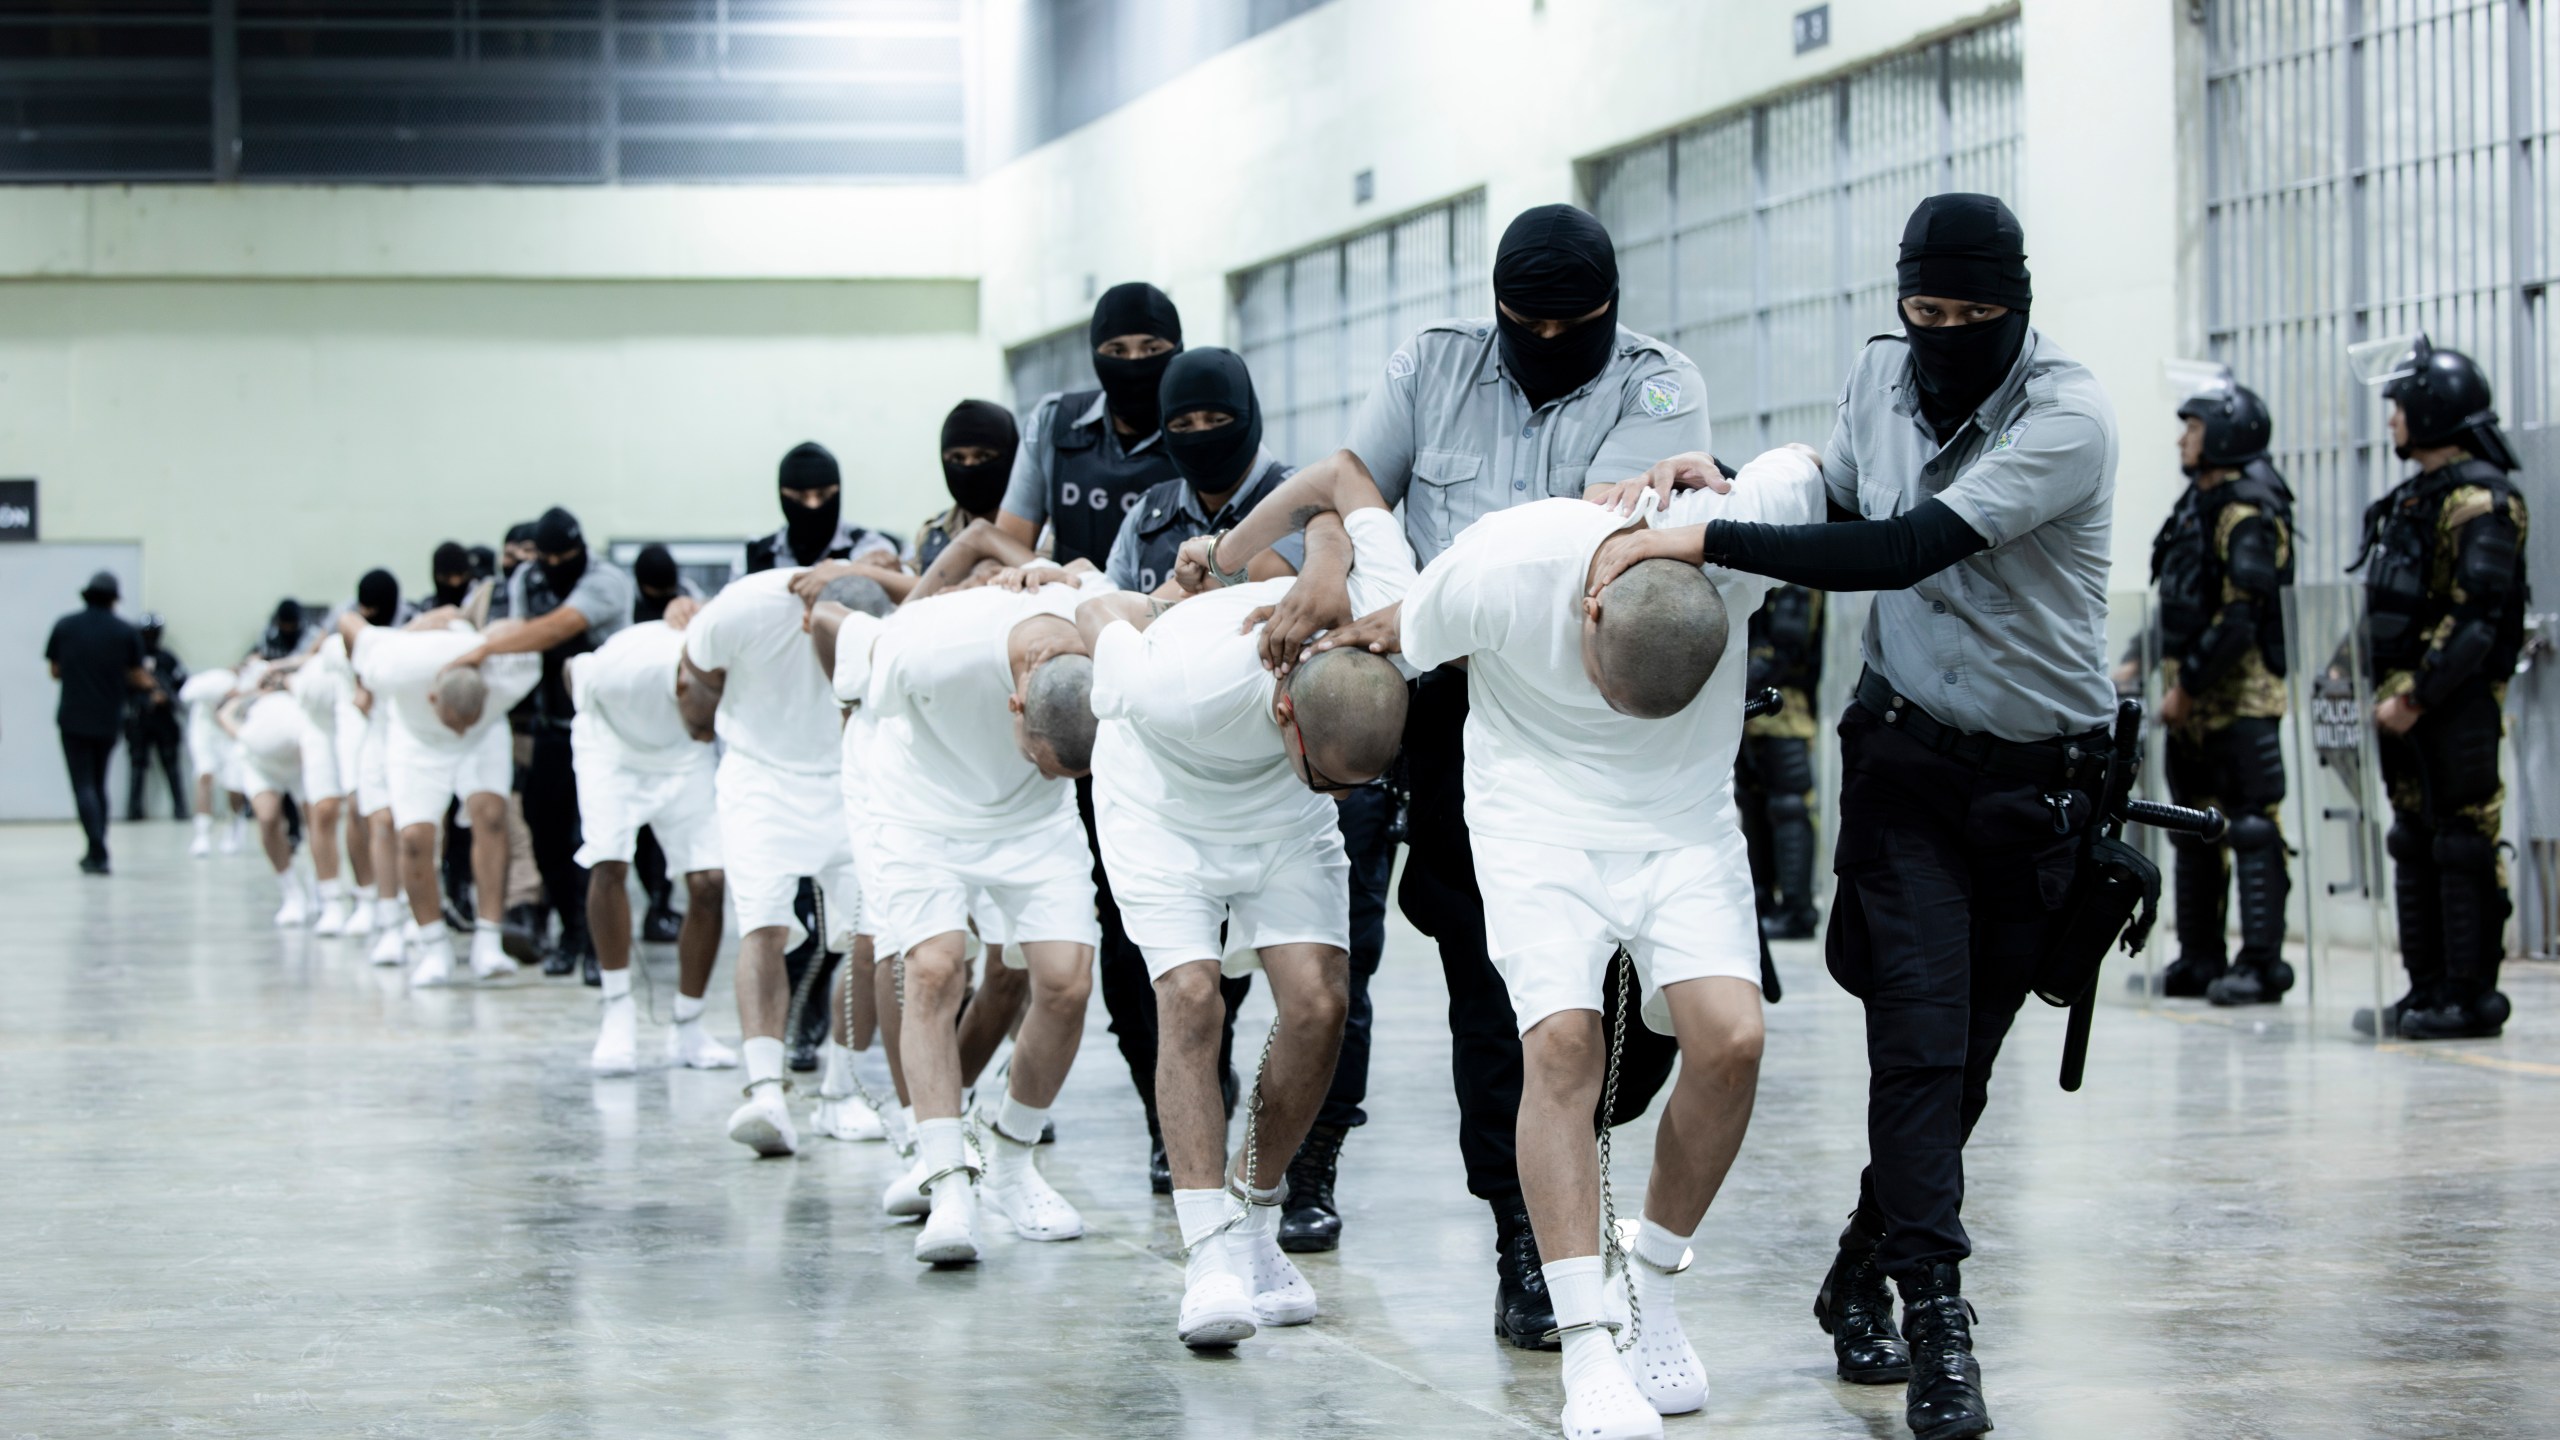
(2392, 357)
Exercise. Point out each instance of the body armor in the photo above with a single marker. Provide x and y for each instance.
(2444, 582)
(2196, 558)
(1093, 486)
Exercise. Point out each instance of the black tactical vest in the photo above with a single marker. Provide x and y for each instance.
(1785, 638)
(2188, 567)
(2403, 603)
(1164, 522)
(1092, 486)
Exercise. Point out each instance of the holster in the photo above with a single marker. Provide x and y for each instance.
(2116, 894)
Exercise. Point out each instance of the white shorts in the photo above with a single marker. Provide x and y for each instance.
(281, 751)
(1025, 889)
(680, 807)
(1554, 915)
(425, 779)
(322, 777)
(1183, 898)
(373, 768)
(776, 827)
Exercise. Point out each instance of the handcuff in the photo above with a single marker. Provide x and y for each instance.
(1225, 578)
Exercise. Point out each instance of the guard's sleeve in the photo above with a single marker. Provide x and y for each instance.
(1026, 491)
(2046, 465)
(1663, 413)
(1122, 565)
(2488, 581)
(1840, 452)
(602, 596)
(1382, 433)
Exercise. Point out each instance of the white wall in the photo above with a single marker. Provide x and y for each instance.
(276, 389)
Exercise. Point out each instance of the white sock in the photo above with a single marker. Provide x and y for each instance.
(1021, 1123)
(1574, 1286)
(938, 1144)
(387, 911)
(204, 823)
(1658, 1247)
(835, 1079)
(617, 984)
(1202, 1213)
(764, 1058)
(333, 888)
(289, 883)
(688, 1009)
(491, 926)
(907, 1117)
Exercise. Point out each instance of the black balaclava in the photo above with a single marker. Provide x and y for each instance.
(1214, 461)
(557, 533)
(1964, 247)
(977, 489)
(451, 570)
(810, 529)
(1556, 263)
(517, 534)
(484, 562)
(378, 596)
(284, 630)
(1136, 308)
(654, 571)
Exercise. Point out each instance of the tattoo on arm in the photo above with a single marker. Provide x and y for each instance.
(1299, 517)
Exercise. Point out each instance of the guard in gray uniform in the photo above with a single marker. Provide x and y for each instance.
(1548, 396)
(1086, 458)
(813, 523)
(1972, 479)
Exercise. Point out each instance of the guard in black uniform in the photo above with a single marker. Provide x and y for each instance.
(1087, 458)
(2222, 563)
(2444, 576)
(151, 727)
(1773, 776)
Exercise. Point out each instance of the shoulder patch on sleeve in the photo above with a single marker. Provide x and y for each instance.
(1400, 364)
(1660, 395)
(2009, 437)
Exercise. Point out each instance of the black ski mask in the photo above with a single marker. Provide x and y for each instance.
(1556, 263)
(977, 489)
(452, 571)
(1130, 386)
(1213, 379)
(518, 534)
(557, 534)
(654, 571)
(1964, 247)
(811, 529)
(378, 596)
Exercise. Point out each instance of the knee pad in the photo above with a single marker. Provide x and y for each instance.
(1786, 765)
(2464, 850)
(2255, 832)
(2409, 843)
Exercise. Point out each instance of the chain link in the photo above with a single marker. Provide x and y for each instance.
(1253, 1128)
(1614, 1256)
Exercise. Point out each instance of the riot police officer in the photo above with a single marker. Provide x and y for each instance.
(2222, 562)
(1773, 778)
(1982, 460)
(1086, 458)
(2443, 563)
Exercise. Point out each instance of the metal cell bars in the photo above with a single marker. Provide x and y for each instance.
(1316, 328)
(2370, 171)
(1056, 362)
(485, 90)
(1762, 243)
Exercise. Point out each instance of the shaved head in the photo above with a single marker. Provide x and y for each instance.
(1057, 710)
(460, 696)
(1350, 706)
(857, 594)
(1662, 628)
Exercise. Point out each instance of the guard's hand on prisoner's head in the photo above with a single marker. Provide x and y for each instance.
(1685, 471)
(1620, 553)
(1380, 632)
(809, 584)
(680, 612)
(1316, 603)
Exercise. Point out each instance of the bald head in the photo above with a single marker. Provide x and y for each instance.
(1661, 630)
(460, 697)
(1057, 711)
(1350, 709)
(858, 594)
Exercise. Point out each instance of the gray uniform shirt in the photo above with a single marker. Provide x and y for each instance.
(1447, 416)
(2010, 640)
(604, 595)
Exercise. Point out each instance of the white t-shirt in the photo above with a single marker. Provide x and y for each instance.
(942, 753)
(1187, 734)
(400, 666)
(1547, 759)
(629, 685)
(777, 708)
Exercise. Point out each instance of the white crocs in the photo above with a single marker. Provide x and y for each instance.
(1662, 1362)
(335, 911)
(431, 962)
(617, 1039)
(295, 912)
(763, 1124)
(489, 958)
(950, 1234)
(845, 1117)
(1601, 1401)
(696, 1048)
(1024, 1197)
(905, 1196)
(390, 946)
(1217, 1306)
(1281, 1295)
(359, 920)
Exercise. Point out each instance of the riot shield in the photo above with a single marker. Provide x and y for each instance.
(2339, 810)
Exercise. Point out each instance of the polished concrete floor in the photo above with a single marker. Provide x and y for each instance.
(253, 1188)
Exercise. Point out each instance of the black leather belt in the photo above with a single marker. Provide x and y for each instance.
(2065, 760)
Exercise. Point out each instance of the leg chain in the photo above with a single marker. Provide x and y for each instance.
(1614, 1257)
(1253, 1122)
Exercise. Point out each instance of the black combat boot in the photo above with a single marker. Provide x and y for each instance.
(2459, 1010)
(1159, 1168)
(1308, 1220)
(2251, 983)
(1944, 1398)
(816, 1012)
(662, 924)
(2201, 888)
(1855, 1308)
(1522, 1312)
(562, 957)
(520, 933)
